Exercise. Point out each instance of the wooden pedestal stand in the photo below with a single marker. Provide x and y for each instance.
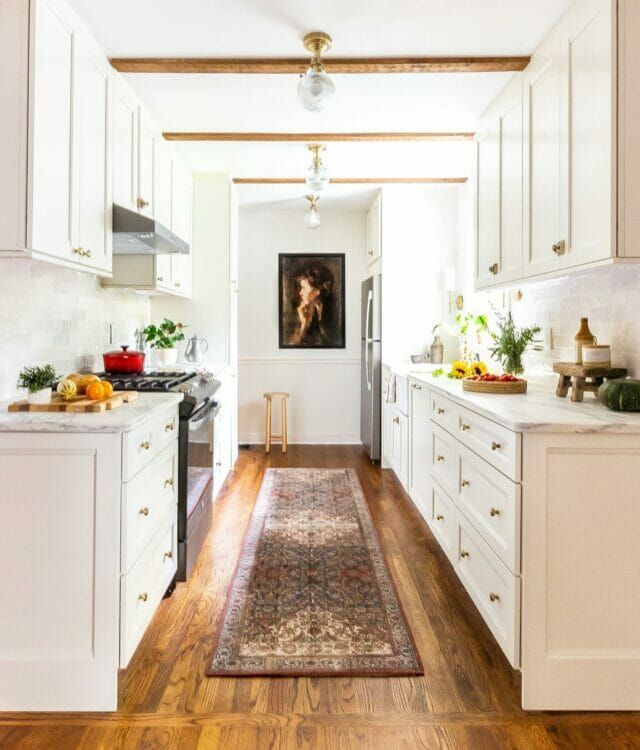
(583, 378)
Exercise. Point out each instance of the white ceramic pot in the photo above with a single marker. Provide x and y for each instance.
(42, 396)
(164, 357)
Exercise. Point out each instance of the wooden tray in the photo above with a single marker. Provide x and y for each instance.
(495, 386)
(79, 404)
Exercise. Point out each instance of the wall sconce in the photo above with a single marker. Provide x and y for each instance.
(450, 284)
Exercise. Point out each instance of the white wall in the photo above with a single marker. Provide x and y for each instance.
(59, 316)
(324, 385)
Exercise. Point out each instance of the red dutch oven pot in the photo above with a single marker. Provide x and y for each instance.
(124, 361)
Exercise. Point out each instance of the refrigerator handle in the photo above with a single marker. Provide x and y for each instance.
(368, 315)
(366, 336)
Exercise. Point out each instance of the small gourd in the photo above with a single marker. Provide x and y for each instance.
(67, 389)
(620, 394)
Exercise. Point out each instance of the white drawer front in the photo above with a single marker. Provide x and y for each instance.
(491, 502)
(444, 412)
(141, 445)
(144, 586)
(494, 589)
(442, 520)
(443, 459)
(496, 444)
(146, 501)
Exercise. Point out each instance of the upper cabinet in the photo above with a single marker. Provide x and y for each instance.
(374, 232)
(579, 150)
(56, 137)
(125, 145)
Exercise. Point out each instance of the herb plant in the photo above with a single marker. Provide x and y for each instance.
(511, 342)
(164, 336)
(36, 378)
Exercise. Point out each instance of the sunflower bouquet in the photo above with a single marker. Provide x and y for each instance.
(461, 369)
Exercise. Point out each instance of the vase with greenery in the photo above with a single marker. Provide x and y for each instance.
(511, 342)
(38, 381)
(163, 339)
(466, 323)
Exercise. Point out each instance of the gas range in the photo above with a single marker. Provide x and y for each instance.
(198, 387)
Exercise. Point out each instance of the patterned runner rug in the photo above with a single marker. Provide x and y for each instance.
(312, 594)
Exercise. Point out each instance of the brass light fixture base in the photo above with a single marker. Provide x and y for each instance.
(313, 201)
(317, 42)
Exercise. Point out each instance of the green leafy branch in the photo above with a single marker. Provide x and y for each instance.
(36, 378)
(164, 336)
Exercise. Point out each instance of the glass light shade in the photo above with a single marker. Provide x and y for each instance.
(312, 219)
(317, 178)
(315, 90)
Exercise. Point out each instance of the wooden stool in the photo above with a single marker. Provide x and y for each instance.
(268, 436)
(583, 378)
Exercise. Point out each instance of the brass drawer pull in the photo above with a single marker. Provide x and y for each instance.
(170, 427)
(464, 426)
(465, 483)
(167, 556)
(143, 597)
(439, 517)
(493, 268)
(160, 279)
(143, 511)
(494, 512)
(142, 203)
(168, 483)
(87, 253)
(145, 445)
(396, 420)
(495, 446)
(440, 410)
(494, 597)
(559, 247)
(439, 459)
(177, 285)
(77, 250)
(464, 553)
(416, 387)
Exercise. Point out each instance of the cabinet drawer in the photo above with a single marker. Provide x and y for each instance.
(442, 520)
(493, 588)
(443, 459)
(496, 444)
(146, 501)
(141, 445)
(444, 412)
(142, 589)
(491, 502)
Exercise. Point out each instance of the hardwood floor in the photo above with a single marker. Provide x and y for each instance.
(468, 697)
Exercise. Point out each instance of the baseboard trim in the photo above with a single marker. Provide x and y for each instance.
(254, 438)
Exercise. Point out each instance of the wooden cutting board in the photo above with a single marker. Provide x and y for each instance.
(79, 404)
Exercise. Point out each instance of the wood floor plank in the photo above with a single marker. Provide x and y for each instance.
(467, 698)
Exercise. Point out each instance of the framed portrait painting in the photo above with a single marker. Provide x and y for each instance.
(311, 300)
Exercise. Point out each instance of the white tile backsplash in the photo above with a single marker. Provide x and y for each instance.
(58, 316)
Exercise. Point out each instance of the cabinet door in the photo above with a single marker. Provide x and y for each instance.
(374, 242)
(542, 219)
(125, 146)
(146, 158)
(488, 200)
(51, 152)
(181, 274)
(163, 277)
(181, 197)
(92, 178)
(162, 166)
(587, 132)
(400, 447)
(420, 442)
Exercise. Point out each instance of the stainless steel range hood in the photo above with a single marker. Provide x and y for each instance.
(135, 234)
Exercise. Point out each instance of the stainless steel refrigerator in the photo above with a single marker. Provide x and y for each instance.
(371, 367)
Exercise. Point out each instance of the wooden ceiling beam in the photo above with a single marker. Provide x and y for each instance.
(352, 180)
(334, 65)
(319, 137)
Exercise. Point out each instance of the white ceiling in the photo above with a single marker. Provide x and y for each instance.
(274, 28)
(291, 198)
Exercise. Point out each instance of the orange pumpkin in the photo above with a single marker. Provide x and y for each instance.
(95, 391)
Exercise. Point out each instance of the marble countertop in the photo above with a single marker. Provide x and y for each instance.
(122, 419)
(538, 410)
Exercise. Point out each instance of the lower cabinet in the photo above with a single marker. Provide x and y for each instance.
(401, 446)
(419, 446)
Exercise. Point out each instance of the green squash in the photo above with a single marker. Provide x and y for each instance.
(620, 395)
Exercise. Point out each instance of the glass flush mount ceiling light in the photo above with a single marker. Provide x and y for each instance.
(317, 177)
(312, 217)
(316, 89)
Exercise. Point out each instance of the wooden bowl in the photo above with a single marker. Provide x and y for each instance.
(494, 386)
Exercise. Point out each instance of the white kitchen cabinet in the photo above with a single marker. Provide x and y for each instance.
(126, 111)
(401, 446)
(162, 176)
(147, 136)
(181, 201)
(374, 231)
(419, 442)
(488, 201)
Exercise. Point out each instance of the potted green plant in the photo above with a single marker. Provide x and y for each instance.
(511, 342)
(38, 381)
(163, 340)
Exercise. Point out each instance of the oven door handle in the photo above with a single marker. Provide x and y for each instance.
(207, 413)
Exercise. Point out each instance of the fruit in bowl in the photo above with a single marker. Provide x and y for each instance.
(490, 377)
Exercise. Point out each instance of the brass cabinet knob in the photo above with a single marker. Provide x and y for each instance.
(167, 556)
(439, 517)
(439, 459)
(160, 279)
(396, 420)
(170, 427)
(87, 253)
(464, 483)
(493, 268)
(495, 446)
(143, 597)
(416, 387)
(494, 597)
(559, 247)
(144, 511)
(142, 203)
(77, 251)
(145, 445)
(464, 427)
(494, 512)
(464, 553)
(177, 285)
(440, 410)
(168, 483)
